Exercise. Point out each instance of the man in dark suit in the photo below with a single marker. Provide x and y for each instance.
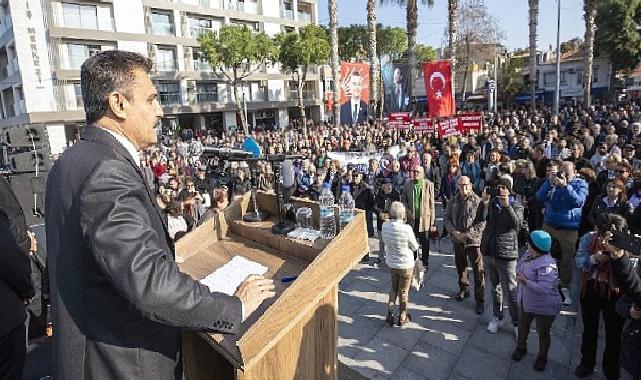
(354, 111)
(396, 98)
(119, 300)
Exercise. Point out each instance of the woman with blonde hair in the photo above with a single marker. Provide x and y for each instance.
(400, 245)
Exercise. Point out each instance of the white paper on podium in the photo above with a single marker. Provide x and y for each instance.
(228, 277)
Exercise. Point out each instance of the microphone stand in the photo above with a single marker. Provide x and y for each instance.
(256, 215)
(283, 196)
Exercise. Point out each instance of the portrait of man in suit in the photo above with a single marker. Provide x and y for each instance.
(119, 299)
(354, 111)
(395, 82)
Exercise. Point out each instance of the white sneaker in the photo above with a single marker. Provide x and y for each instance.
(493, 326)
(567, 300)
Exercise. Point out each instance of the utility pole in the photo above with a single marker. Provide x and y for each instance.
(557, 94)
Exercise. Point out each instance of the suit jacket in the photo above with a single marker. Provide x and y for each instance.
(15, 279)
(391, 101)
(118, 298)
(346, 113)
(428, 213)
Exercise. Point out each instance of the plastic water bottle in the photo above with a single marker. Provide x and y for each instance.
(346, 207)
(326, 204)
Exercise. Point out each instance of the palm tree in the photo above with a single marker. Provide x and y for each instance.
(534, 20)
(452, 14)
(589, 8)
(372, 56)
(412, 27)
(333, 40)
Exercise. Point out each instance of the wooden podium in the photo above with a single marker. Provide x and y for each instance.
(295, 334)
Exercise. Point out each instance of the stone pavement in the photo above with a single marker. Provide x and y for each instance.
(445, 339)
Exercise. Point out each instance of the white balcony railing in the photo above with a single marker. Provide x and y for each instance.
(288, 14)
(236, 6)
(167, 99)
(304, 17)
(201, 66)
(197, 31)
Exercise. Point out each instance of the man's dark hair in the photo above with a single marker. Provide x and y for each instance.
(105, 73)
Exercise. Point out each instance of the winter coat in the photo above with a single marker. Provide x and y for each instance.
(540, 294)
(428, 213)
(467, 216)
(563, 205)
(400, 244)
(500, 236)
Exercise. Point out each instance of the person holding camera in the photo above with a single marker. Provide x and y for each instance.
(500, 248)
(599, 295)
(564, 194)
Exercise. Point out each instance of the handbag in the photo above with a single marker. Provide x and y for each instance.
(419, 274)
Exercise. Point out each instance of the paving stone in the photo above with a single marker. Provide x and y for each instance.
(405, 336)
(405, 374)
(362, 329)
(430, 361)
(381, 358)
(452, 339)
(348, 304)
(475, 363)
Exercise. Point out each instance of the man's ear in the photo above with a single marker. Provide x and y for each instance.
(118, 104)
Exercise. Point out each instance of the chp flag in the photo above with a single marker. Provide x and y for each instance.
(439, 89)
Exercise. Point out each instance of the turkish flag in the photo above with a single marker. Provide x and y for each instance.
(438, 87)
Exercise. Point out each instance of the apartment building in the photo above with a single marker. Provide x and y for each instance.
(43, 43)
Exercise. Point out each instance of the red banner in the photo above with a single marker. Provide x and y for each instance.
(449, 127)
(438, 87)
(399, 120)
(470, 120)
(424, 124)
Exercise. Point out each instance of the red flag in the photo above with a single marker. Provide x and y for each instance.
(438, 87)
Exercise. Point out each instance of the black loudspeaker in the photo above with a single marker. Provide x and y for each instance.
(27, 159)
(23, 136)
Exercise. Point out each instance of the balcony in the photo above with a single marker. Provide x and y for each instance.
(168, 99)
(197, 31)
(304, 17)
(287, 14)
(201, 66)
(236, 6)
(207, 97)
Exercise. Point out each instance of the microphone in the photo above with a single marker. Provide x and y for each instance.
(288, 173)
(229, 153)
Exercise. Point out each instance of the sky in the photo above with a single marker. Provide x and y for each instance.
(512, 15)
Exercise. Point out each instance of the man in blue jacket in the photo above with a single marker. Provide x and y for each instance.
(564, 195)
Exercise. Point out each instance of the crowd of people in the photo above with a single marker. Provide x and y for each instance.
(526, 200)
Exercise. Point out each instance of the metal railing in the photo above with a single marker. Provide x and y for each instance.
(170, 99)
(201, 66)
(207, 97)
(304, 17)
(287, 14)
(197, 31)
(236, 6)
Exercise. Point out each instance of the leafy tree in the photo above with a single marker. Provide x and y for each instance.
(425, 53)
(232, 51)
(511, 80)
(352, 41)
(618, 34)
(298, 51)
(390, 42)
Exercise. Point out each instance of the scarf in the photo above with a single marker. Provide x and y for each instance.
(604, 282)
(418, 192)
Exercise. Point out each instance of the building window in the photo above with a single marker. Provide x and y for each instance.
(80, 16)
(169, 93)
(165, 59)
(253, 26)
(199, 26)
(199, 62)
(206, 92)
(595, 74)
(579, 77)
(549, 79)
(78, 54)
(161, 23)
(288, 11)
(563, 81)
(77, 89)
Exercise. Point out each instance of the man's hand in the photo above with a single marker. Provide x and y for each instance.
(485, 196)
(34, 242)
(253, 291)
(560, 182)
(521, 279)
(456, 235)
(615, 253)
(600, 257)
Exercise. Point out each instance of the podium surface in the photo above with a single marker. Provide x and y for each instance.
(293, 335)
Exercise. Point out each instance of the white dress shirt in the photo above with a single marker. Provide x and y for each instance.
(128, 145)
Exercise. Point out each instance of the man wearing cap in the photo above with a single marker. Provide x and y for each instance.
(500, 249)
(382, 203)
(465, 218)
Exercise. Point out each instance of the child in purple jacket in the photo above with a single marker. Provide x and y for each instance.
(538, 296)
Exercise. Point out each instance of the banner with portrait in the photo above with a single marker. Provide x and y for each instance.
(396, 85)
(354, 93)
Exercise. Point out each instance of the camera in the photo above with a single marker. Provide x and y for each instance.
(560, 175)
(626, 241)
(493, 191)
